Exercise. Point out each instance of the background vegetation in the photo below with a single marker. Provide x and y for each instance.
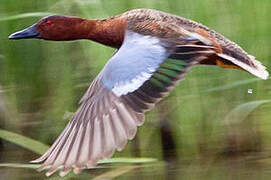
(219, 130)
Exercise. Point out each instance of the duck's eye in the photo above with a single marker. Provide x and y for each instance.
(48, 23)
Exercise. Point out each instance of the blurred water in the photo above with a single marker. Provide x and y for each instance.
(247, 166)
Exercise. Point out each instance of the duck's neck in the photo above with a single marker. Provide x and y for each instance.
(109, 32)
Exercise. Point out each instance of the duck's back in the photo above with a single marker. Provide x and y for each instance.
(161, 24)
(141, 17)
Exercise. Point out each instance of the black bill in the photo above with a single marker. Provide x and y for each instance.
(27, 33)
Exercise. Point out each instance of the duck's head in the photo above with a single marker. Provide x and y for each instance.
(54, 27)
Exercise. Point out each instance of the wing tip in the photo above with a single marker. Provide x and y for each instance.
(64, 172)
(263, 75)
(36, 160)
(261, 69)
(256, 68)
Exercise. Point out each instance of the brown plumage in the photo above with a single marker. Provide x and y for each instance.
(134, 79)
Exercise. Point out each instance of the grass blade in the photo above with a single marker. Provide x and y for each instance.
(17, 165)
(25, 15)
(23, 141)
(128, 160)
(232, 85)
(112, 160)
(115, 172)
(242, 111)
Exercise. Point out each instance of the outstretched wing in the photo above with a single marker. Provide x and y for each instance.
(133, 80)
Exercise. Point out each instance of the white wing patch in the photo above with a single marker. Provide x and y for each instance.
(123, 88)
(134, 63)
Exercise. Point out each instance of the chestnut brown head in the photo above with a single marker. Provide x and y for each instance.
(56, 28)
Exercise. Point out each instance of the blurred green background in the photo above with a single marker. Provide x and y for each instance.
(218, 129)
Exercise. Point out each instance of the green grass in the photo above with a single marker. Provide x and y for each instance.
(41, 80)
